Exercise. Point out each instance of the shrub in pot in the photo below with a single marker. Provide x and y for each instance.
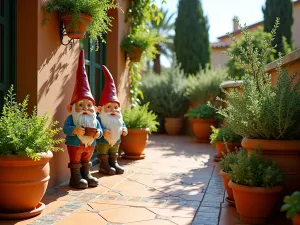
(225, 140)
(26, 142)
(267, 116)
(292, 207)
(91, 14)
(225, 164)
(256, 186)
(140, 122)
(165, 94)
(203, 117)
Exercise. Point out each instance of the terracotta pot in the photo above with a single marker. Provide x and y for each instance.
(221, 148)
(136, 54)
(255, 204)
(202, 130)
(226, 180)
(296, 220)
(173, 126)
(89, 131)
(23, 182)
(135, 142)
(82, 25)
(286, 154)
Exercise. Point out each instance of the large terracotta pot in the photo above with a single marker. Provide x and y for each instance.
(226, 179)
(286, 154)
(82, 25)
(255, 204)
(136, 54)
(23, 183)
(134, 143)
(221, 148)
(296, 220)
(202, 129)
(173, 126)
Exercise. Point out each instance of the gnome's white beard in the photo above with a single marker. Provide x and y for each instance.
(87, 120)
(114, 124)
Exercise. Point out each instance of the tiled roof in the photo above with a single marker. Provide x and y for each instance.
(219, 45)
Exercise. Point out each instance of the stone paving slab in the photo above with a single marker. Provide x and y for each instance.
(176, 184)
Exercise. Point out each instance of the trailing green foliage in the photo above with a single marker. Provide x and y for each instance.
(140, 117)
(232, 158)
(292, 205)
(224, 134)
(191, 39)
(282, 9)
(235, 69)
(202, 111)
(262, 111)
(253, 171)
(101, 22)
(205, 84)
(165, 92)
(23, 134)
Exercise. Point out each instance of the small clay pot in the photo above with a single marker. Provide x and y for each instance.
(89, 131)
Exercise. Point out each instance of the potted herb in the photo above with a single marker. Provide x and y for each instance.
(225, 140)
(140, 122)
(225, 164)
(292, 207)
(80, 16)
(26, 142)
(256, 186)
(203, 117)
(267, 115)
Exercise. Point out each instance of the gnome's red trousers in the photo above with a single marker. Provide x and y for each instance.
(80, 153)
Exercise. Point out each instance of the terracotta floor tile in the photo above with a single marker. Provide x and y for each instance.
(97, 208)
(182, 220)
(173, 212)
(153, 222)
(82, 218)
(127, 215)
(229, 216)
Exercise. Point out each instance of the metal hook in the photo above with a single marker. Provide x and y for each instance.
(63, 33)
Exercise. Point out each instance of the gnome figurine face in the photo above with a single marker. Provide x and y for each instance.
(81, 128)
(111, 121)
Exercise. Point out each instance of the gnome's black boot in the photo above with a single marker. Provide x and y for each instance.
(104, 166)
(76, 181)
(113, 161)
(85, 173)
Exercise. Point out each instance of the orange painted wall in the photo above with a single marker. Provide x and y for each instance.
(46, 69)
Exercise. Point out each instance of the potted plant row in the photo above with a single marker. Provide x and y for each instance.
(80, 16)
(225, 140)
(267, 116)
(26, 145)
(203, 117)
(140, 122)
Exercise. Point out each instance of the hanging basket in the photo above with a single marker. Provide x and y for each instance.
(82, 25)
(136, 54)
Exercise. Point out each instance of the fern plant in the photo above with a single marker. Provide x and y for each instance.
(140, 117)
(263, 111)
(23, 134)
(224, 134)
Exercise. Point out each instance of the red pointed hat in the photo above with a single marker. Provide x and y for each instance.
(82, 88)
(109, 93)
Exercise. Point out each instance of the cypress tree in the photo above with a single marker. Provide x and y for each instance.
(191, 39)
(284, 10)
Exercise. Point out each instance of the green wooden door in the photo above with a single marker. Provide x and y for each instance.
(7, 46)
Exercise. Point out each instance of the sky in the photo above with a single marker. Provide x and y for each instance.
(220, 14)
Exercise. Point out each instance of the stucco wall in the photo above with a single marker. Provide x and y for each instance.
(219, 57)
(296, 25)
(47, 69)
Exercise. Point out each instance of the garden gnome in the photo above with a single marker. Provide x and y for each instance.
(79, 140)
(111, 121)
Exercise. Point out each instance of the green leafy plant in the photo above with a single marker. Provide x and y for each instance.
(23, 134)
(165, 92)
(133, 40)
(232, 158)
(101, 22)
(205, 84)
(140, 117)
(292, 205)
(224, 134)
(263, 111)
(253, 171)
(202, 111)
